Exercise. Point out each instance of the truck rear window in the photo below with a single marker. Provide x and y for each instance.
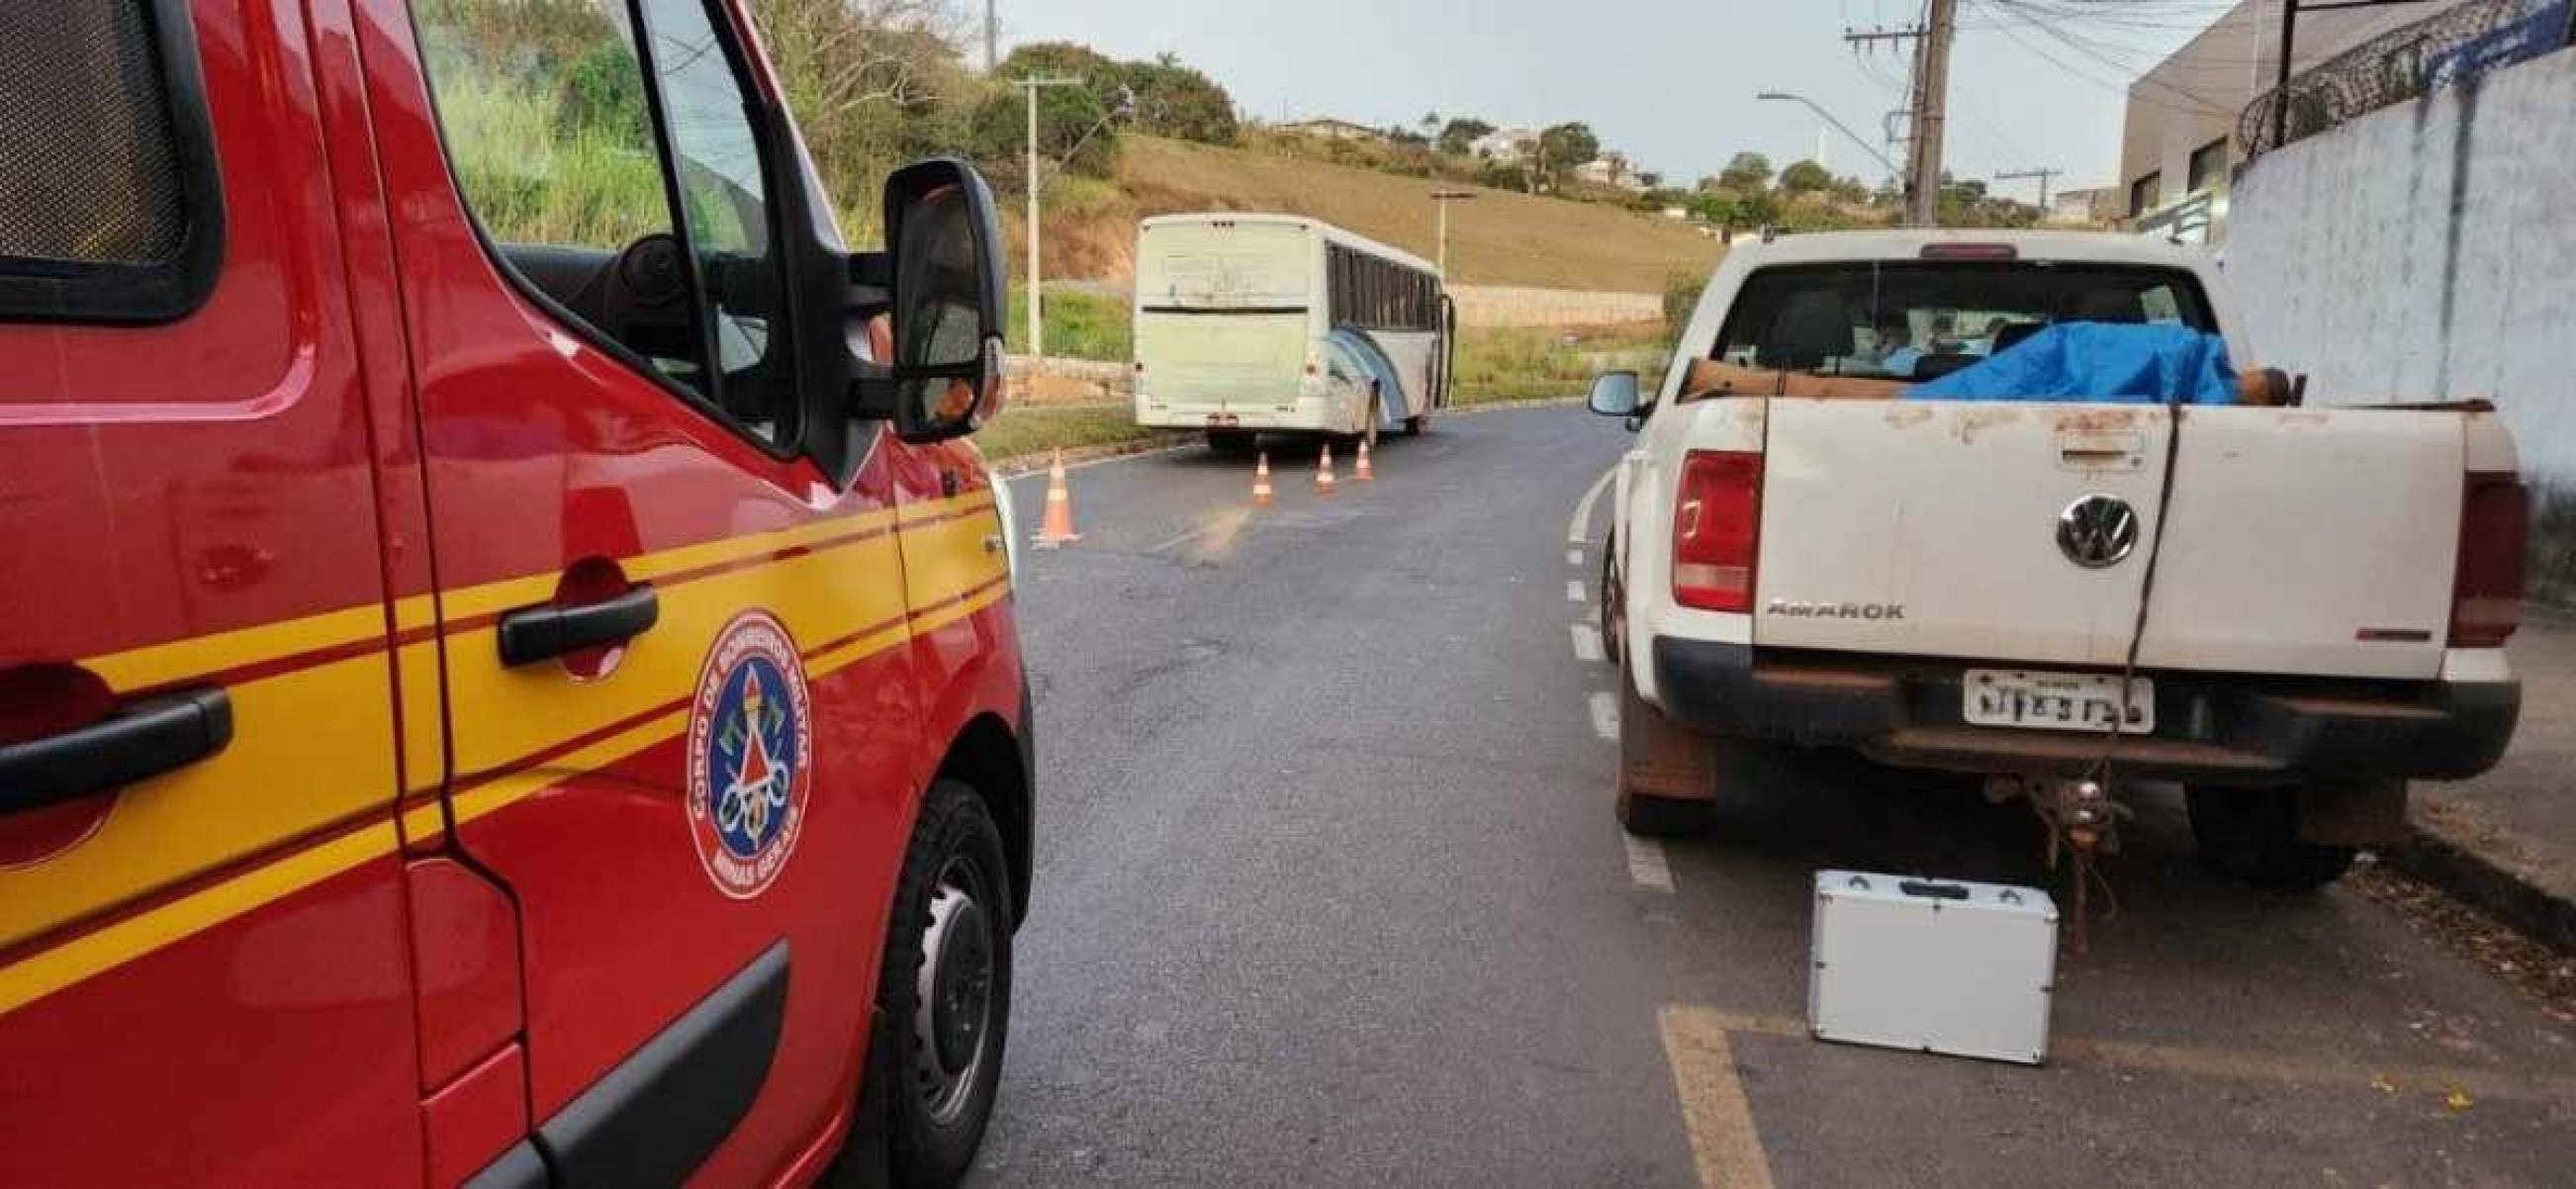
(1919, 321)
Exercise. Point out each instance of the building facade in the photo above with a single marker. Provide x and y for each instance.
(2178, 137)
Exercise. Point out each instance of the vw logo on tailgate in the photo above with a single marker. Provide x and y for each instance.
(2097, 531)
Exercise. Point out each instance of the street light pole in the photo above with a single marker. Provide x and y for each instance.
(1839, 126)
(1037, 324)
(1442, 199)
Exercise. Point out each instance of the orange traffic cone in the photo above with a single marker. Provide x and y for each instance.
(1261, 481)
(1361, 470)
(1324, 481)
(1058, 528)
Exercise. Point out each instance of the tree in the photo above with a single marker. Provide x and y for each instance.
(1176, 101)
(1074, 131)
(1746, 172)
(1458, 136)
(1430, 125)
(1805, 177)
(1565, 146)
(1650, 179)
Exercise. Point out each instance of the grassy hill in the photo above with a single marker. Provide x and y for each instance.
(1500, 238)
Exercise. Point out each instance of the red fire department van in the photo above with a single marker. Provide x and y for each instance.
(507, 665)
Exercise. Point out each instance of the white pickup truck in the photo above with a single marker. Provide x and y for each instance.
(2290, 611)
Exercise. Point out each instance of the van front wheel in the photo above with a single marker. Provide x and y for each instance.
(944, 992)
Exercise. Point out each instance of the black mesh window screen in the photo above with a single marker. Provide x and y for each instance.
(98, 176)
(85, 127)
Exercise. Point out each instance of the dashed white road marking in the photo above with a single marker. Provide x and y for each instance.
(1605, 715)
(1184, 538)
(1725, 1148)
(1578, 530)
(1574, 591)
(1646, 866)
(1587, 643)
(1574, 557)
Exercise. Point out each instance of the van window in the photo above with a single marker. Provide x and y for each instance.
(550, 130)
(108, 210)
(725, 200)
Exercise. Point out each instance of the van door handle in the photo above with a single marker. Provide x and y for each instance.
(549, 630)
(142, 739)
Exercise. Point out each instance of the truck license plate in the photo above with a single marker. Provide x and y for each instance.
(2058, 701)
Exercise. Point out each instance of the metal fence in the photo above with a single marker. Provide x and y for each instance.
(2448, 48)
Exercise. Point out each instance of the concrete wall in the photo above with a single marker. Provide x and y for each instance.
(1503, 305)
(2428, 251)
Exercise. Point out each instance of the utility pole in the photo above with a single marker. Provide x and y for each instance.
(1442, 199)
(1927, 94)
(992, 56)
(1931, 117)
(2042, 174)
(1037, 324)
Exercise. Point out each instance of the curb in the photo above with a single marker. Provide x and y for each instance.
(2479, 882)
(1031, 463)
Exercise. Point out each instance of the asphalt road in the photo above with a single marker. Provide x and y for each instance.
(1328, 891)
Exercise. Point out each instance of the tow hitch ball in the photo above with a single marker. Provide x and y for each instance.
(2083, 820)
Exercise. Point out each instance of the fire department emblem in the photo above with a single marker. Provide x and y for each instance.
(751, 755)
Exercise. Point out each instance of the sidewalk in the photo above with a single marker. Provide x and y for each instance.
(2506, 841)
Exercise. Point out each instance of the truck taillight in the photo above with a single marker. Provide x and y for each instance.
(1717, 530)
(2495, 528)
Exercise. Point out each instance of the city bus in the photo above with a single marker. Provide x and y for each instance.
(1249, 324)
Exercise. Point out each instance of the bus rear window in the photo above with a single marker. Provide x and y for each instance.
(1223, 267)
(1914, 321)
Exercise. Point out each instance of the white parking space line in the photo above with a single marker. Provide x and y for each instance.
(1646, 866)
(1605, 715)
(1724, 1145)
(1574, 557)
(1587, 643)
(1574, 591)
(1577, 530)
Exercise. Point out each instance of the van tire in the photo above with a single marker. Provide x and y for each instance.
(940, 1100)
(1414, 425)
(2252, 835)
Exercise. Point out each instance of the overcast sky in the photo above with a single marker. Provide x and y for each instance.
(1670, 81)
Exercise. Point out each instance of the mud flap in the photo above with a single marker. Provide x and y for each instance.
(1659, 757)
(2354, 813)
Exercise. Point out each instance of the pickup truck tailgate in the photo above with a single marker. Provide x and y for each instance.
(2306, 541)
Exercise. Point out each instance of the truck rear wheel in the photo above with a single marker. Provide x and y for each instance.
(1657, 759)
(944, 994)
(2253, 835)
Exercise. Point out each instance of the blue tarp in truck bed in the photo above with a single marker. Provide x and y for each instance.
(2105, 362)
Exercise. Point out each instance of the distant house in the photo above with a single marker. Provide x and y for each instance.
(1610, 169)
(1506, 146)
(1327, 128)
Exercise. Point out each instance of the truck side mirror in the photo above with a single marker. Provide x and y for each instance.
(942, 278)
(1614, 394)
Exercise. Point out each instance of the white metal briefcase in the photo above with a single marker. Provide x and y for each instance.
(1938, 966)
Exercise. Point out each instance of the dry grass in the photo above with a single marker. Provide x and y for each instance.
(1500, 238)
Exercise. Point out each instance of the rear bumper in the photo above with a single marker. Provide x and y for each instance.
(2211, 728)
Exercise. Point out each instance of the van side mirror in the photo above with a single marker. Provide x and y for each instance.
(940, 280)
(1614, 394)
